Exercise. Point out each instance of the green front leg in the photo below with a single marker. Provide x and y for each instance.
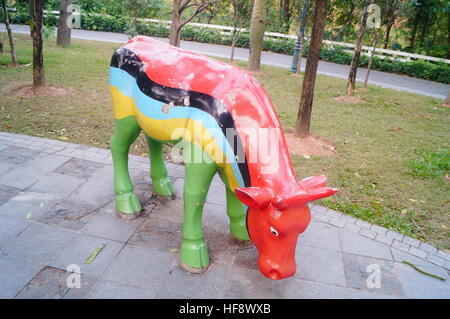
(158, 172)
(125, 133)
(194, 252)
(237, 213)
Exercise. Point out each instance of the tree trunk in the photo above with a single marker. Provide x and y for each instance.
(12, 45)
(306, 100)
(258, 23)
(357, 53)
(1, 44)
(64, 27)
(38, 44)
(175, 24)
(369, 65)
(448, 37)
(388, 33)
(412, 43)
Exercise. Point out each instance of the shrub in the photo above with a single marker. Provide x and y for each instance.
(439, 72)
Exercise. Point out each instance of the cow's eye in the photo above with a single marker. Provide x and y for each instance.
(273, 231)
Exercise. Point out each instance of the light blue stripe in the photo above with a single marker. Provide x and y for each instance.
(153, 109)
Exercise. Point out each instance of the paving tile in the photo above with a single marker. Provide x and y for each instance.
(56, 184)
(417, 285)
(15, 273)
(400, 245)
(98, 189)
(79, 168)
(411, 241)
(318, 264)
(115, 290)
(17, 155)
(158, 233)
(7, 192)
(356, 244)
(5, 166)
(428, 248)
(107, 224)
(360, 272)
(10, 227)
(242, 283)
(320, 235)
(140, 267)
(303, 289)
(80, 250)
(400, 256)
(182, 284)
(418, 252)
(38, 243)
(68, 214)
(29, 205)
(23, 176)
(51, 283)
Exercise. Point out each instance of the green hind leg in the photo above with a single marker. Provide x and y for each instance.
(194, 252)
(158, 172)
(125, 133)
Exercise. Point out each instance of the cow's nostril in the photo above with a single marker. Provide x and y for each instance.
(274, 274)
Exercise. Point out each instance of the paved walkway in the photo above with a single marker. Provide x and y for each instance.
(57, 209)
(383, 79)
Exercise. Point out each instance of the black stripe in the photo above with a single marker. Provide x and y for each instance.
(127, 60)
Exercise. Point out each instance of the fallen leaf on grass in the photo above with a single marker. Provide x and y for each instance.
(94, 254)
(63, 138)
(443, 226)
(173, 250)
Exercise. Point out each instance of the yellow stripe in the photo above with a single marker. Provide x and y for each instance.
(122, 104)
(173, 129)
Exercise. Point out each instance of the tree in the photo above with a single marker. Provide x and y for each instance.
(9, 32)
(181, 6)
(357, 52)
(38, 44)
(257, 25)
(306, 99)
(241, 12)
(1, 44)
(64, 29)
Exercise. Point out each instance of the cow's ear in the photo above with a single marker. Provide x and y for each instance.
(254, 197)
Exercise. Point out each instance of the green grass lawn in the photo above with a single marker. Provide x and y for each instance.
(393, 153)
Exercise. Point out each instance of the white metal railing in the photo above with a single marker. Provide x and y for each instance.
(365, 50)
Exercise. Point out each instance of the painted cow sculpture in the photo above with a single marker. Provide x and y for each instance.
(215, 110)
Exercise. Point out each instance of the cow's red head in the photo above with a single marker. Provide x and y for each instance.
(275, 220)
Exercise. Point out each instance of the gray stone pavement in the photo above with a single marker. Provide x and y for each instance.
(378, 78)
(57, 209)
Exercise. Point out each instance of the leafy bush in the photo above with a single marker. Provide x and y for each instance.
(439, 72)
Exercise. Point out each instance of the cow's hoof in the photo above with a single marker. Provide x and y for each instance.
(163, 187)
(240, 243)
(128, 206)
(192, 270)
(194, 255)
